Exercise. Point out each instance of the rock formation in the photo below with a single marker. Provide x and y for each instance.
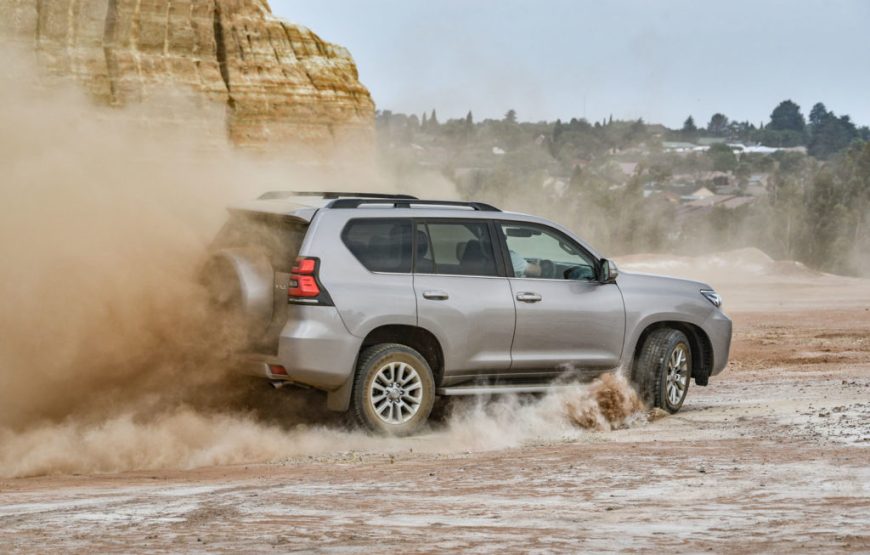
(280, 81)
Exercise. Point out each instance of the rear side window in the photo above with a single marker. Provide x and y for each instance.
(455, 248)
(381, 245)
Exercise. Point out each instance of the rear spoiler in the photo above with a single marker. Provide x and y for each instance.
(272, 209)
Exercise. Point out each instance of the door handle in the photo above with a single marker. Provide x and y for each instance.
(527, 297)
(435, 295)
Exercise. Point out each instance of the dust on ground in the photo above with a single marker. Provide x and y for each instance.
(772, 456)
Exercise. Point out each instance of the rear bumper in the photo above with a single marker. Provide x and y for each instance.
(314, 348)
(718, 328)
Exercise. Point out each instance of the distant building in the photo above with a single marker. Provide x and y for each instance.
(628, 168)
(701, 193)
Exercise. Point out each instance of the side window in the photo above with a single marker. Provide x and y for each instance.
(457, 248)
(536, 252)
(380, 245)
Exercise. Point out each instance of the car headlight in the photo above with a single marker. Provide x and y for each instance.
(712, 296)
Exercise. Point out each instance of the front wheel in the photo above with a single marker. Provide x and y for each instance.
(663, 370)
(393, 391)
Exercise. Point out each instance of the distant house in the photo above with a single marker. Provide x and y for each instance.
(628, 168)
(701, 193)
(674, 146)
(702, 206)
(707, 141)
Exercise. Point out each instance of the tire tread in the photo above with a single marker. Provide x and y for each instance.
(646, 373)
(356, 412)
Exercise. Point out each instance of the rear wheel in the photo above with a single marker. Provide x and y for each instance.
(393, 390)
(663, 370)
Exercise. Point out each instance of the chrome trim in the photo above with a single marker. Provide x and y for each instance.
(458, 275)
(589, 281)
(712, 296)
(437, 275)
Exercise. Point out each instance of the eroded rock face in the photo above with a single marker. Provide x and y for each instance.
(280, 82)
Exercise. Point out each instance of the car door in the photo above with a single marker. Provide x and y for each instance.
(463, 296)
(566, 319)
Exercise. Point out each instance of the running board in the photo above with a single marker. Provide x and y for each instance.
(499, 389)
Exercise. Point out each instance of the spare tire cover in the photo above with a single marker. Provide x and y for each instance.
(241, 281)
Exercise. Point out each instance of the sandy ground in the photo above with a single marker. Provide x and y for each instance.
(773, 456)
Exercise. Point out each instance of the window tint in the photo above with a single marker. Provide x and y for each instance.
(458, 248)
(536, 252)
(380, 245)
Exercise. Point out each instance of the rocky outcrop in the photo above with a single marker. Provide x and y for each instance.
(280, 81)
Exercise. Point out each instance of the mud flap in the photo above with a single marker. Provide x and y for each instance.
(339, 399)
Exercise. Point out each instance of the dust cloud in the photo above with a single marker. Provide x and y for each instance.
(110, 359)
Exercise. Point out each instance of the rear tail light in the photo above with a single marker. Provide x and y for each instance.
(277, 370)
(304, 266)
(304, 286)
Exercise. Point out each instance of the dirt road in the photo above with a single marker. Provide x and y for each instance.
(773, 456)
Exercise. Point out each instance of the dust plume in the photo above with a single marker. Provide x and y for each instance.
(110, 358)
(610, 403)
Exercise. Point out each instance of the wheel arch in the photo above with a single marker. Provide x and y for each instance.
(415, 337)
(699, 343)
(420, 339)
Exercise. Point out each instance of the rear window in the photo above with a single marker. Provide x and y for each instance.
(381, 245)
(279, 237)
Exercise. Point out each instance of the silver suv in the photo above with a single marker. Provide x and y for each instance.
(386, 302)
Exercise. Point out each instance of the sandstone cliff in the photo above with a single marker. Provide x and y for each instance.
(280, 82)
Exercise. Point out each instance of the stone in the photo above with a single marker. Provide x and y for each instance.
(279, 81)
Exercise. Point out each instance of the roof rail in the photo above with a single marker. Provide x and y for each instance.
(273, 195)
(399, 202)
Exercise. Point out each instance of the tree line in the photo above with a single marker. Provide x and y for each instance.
(815, 209)
(824, 135)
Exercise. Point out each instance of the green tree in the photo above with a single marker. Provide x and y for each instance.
(558, 129)
(718, 126)
(826, 212)
(510, 116)
(722, 157)
(818, 114)
(689, 127)
(787, 117)
(467, 127)
(830, 134)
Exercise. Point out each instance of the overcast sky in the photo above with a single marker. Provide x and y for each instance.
(548, 59)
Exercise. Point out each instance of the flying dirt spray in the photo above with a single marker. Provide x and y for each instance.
(110, 359)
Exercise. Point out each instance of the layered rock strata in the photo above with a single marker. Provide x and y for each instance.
(280, 82)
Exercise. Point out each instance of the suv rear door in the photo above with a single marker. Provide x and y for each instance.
(263, 247)
(462, 294)
(566, 319)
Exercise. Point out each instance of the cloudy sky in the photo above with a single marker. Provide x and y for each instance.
(547, 59)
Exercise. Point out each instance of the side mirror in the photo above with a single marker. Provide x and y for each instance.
(609, 271)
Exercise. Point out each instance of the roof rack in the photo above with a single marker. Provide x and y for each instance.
(401, 202)
(273, 195)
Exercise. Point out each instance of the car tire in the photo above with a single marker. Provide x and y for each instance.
(393, 390)
(663, 370)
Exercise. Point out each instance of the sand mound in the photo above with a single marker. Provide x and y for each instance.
(746, 262)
